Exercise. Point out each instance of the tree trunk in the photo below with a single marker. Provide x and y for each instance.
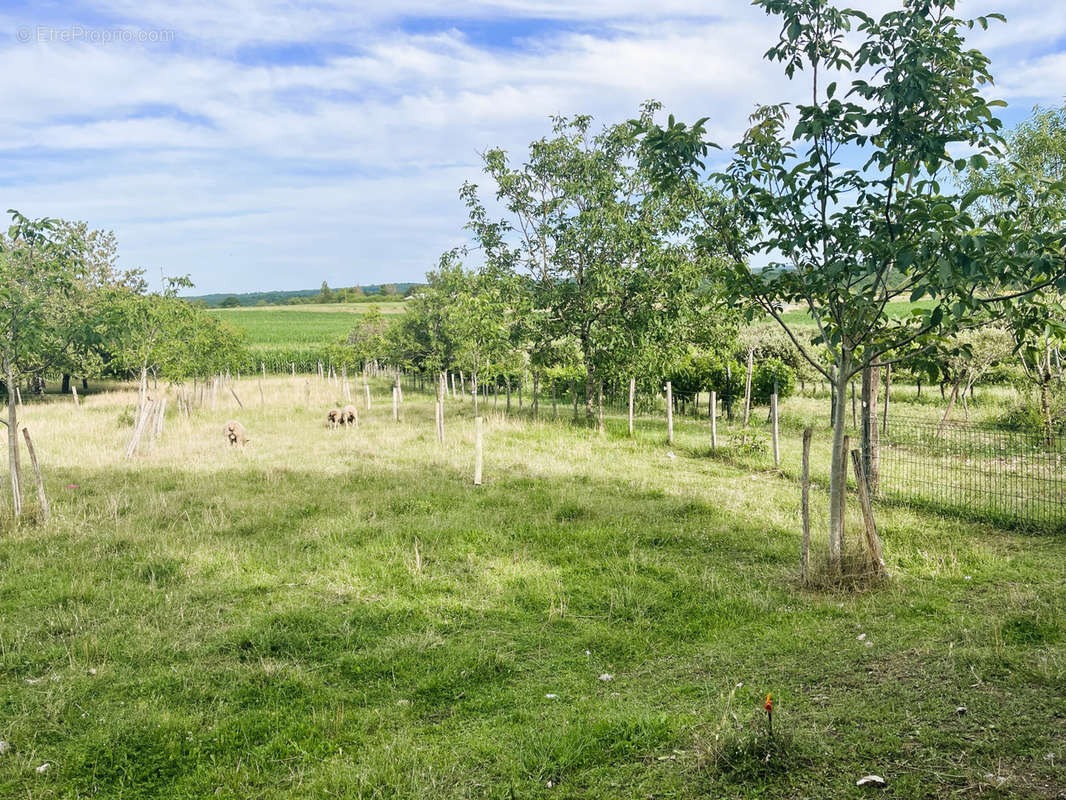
(1045, 411)
(669, 413)
(473, 390)
(838, 467)
(536, 394)
(65, 387)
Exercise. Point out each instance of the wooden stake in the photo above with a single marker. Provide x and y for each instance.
(872, 539)
(139, 429)
(366, 386)
(395, 406)
(747, 387)
(805, 504)
(45, 512)
(478, 450)
(714, 420)
(632, 397)
(774, 440)
(232, 392)
(669, 413)
(74, 391)
(854, 413)
(888, 391)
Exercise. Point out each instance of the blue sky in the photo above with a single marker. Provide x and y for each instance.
(274, 145)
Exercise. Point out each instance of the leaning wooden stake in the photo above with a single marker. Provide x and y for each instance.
(774, 439)
(138, 431)
(74, 391)
(669, 413)
(236, 398)
(478, 450)
(45, 513)
(872, 539)
(632, 396)
(805, 504)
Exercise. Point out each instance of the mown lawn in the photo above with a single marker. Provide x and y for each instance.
(344, 615)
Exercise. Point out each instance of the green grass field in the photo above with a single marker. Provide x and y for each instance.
(279, 327)
(801, 316)
(342, 614)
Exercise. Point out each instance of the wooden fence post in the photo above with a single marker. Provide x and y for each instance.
(805, 504)
(854, 413)
(632, 396)
(232, 392)
(888, 391)
(74, 391)
(478, 450)
(45, 512)
(669, 413)
(366, 386)
(747, 387)
(774, 439)
(714, 420)
(872, 539)
(395, 406)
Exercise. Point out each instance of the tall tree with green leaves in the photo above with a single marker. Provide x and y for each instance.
(602, 247)
(1035, 156)
(846, 197)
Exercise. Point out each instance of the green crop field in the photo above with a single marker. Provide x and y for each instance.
(284, 327)
(899, 309)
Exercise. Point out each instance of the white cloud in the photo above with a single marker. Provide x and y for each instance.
(249, 174)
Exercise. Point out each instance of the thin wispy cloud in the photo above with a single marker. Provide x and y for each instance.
(276, 145)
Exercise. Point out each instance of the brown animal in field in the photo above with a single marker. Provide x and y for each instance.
(349, 415)
(235, 434)
(334, 418)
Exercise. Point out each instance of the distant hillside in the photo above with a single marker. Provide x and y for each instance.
(284, 297)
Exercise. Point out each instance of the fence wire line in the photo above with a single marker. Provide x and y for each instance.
(975, 469)
(969, 469)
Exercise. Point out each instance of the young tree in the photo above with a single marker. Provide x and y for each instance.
(844, 195)
(36, 272)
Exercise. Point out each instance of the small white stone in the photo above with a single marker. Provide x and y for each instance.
(606, 677)
(43, 768)
(861, 636)
(550, 696)
(868, 644)
(870, 780)
(960, 710)
(4, 747)
(92, 670)
(550, 784)
(969, 577)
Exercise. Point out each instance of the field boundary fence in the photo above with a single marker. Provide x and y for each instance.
(975, 470)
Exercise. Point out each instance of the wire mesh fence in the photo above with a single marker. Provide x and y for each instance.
(976, 470)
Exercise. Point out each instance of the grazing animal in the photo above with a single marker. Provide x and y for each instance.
(235, 434)
(334, 418)
(349, 415)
